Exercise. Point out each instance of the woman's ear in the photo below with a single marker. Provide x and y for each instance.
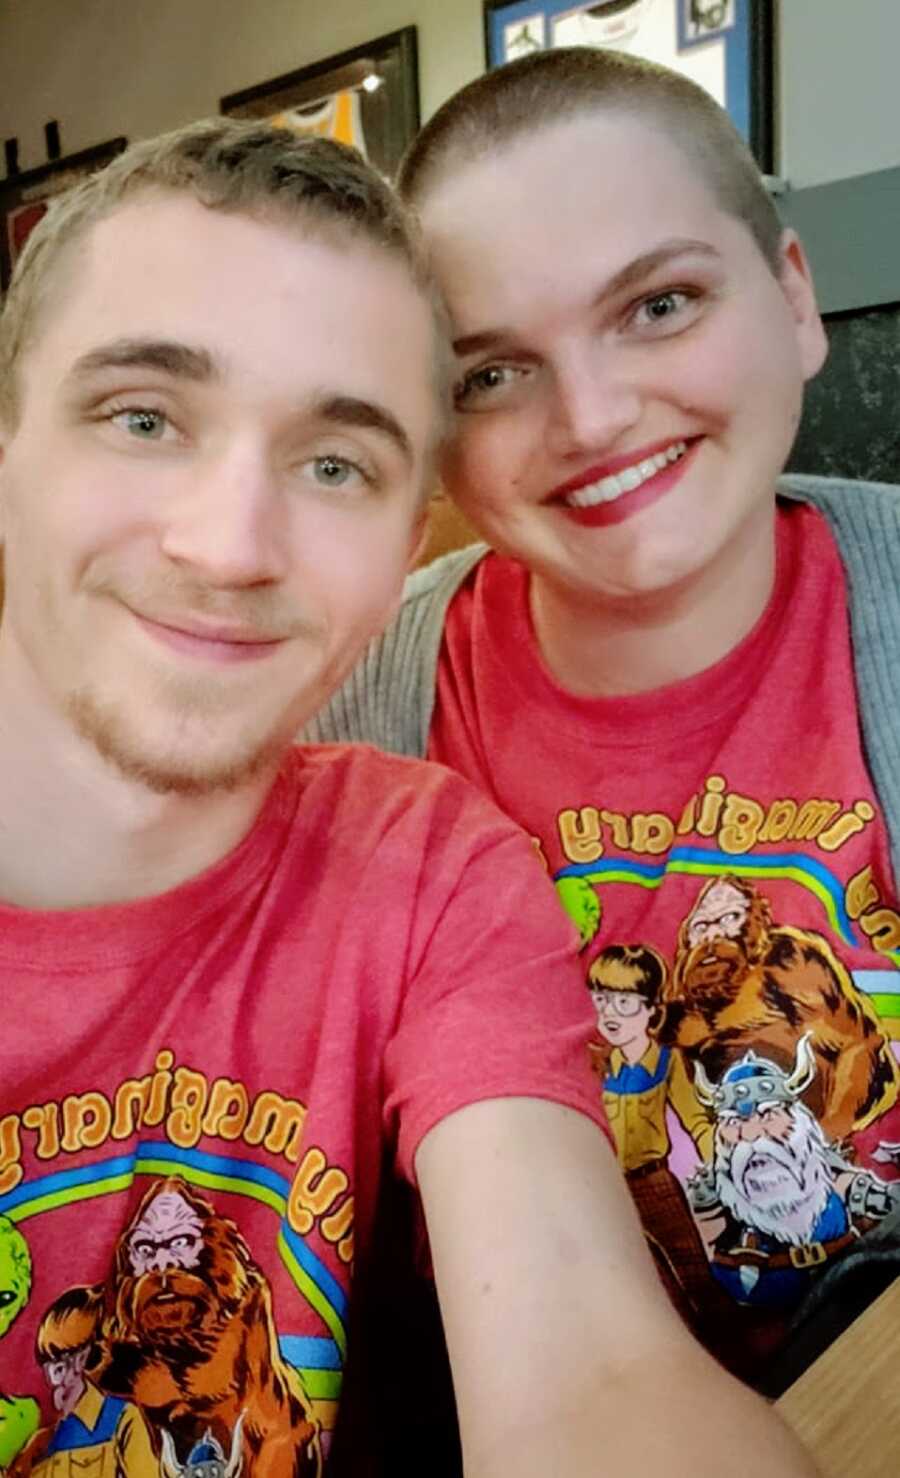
(795, 278)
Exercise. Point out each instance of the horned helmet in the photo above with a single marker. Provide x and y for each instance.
(754, 1083)
(206, 1458)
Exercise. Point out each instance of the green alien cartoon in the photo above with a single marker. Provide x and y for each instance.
(579, 899)
(19, 1415)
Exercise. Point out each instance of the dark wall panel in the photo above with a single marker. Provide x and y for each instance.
(851, 419)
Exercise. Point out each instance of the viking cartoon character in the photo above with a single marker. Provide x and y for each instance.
(19, 1415)
(790, 1201)
(94, 1432)
(206, 1458)
(740, 981)
(189, 1334)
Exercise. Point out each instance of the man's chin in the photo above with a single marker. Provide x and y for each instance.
(199, 771)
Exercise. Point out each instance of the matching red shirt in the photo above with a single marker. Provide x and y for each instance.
(720, 845)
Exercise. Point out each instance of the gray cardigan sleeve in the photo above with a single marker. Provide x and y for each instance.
(865, 521)
(388, 699)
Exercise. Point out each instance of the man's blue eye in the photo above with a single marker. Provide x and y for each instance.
(146, 425)
(333, 471)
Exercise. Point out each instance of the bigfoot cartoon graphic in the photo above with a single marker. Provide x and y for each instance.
(189, 1334)
(740, 981)
(788, 1203)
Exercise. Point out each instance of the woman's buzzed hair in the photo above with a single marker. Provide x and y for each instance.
(226, 164)
(554, 86)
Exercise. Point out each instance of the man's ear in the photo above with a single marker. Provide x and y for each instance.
(796, 282)
(3, 438)
(418, 537)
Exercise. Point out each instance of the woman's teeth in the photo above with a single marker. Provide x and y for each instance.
(610, 488)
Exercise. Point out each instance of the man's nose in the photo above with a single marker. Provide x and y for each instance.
(596, 400)
(228, 523)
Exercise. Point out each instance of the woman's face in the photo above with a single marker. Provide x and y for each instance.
(629, 368)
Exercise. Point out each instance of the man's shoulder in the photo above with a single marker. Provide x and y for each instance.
(354, 777)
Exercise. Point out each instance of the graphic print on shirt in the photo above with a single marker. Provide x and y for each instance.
(178, 1356)
(19, 1415)
(748, 1066)
(206, 1459)
(180, 1335)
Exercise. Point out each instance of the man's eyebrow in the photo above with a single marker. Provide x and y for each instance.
(168, 356)
(348, 410)
(632, 273)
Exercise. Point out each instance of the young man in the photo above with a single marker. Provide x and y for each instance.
(237, 976)
(662, 673)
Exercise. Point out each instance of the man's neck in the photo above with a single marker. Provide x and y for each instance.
(596, 648)
(74, 833)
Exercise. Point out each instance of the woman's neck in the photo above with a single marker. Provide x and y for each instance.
(598, 648)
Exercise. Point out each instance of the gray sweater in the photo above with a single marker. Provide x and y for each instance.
(388, 699)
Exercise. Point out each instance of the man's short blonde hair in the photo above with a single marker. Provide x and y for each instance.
(229, 165)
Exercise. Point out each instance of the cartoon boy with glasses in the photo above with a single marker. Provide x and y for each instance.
(642, 1077)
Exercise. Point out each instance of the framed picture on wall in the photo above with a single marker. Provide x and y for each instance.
(24, 197)
(724, 45)
(368, 97)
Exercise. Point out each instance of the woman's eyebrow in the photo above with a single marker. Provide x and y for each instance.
(633, 272)
(649, 261)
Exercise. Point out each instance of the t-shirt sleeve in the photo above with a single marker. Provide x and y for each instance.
(496, 1004)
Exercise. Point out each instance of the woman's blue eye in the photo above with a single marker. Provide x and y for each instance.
(483, 382)
(488, 379)
(663, 306)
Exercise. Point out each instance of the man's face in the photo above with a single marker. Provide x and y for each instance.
(630, 371)
(168, 1235)
(210, 499)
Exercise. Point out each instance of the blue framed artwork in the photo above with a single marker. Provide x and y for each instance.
(724, 45)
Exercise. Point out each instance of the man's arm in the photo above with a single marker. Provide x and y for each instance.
(567, 1357)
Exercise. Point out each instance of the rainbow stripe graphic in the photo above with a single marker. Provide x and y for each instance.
(807, 872)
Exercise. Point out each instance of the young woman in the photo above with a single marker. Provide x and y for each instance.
(679, 684)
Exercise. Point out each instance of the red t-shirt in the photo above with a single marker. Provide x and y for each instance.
(196, 1091)
(721, 847)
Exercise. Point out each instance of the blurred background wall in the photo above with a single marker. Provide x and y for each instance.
(106, 67)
